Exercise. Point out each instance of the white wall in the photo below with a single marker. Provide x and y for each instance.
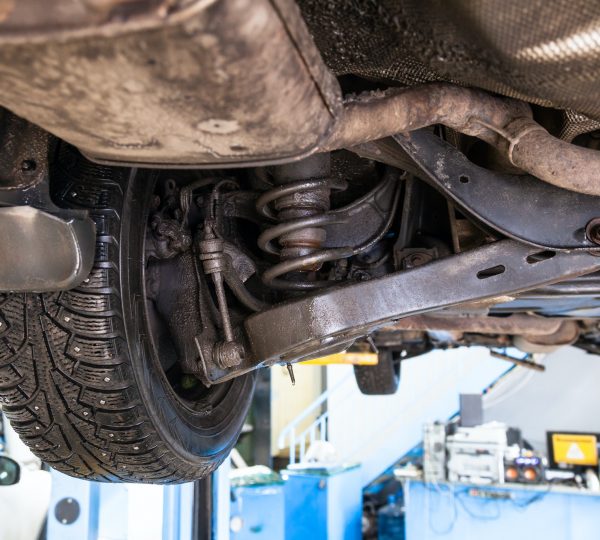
(564, 397)
(378, 430)
(288, 401)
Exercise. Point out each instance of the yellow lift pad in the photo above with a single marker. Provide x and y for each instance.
(355, 358)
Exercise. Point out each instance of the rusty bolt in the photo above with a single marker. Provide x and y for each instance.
(416, 259)
(592, 231)
(228, 354)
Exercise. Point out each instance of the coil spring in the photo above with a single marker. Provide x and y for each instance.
(310, 254)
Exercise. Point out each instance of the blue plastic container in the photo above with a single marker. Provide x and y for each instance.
(390, 521)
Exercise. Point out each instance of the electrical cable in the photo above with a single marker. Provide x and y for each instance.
(458, 499)
(454, 517)
(535, 498)
(472, 514)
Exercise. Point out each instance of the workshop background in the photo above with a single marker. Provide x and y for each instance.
(470, 445)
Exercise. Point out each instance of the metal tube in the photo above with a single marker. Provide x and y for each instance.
(553, 160)
(375, 115)
(518, 324)
(220, 291)
(292, 447)
(241, 292)
(502, 122)
(519, 362)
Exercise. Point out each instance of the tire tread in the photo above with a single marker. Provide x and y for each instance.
(380, 379)
(66, 382)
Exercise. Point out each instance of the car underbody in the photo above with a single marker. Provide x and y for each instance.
(230, 185)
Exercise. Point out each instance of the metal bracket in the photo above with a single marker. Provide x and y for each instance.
(42, 252)
(23, 152)
(42, 247)
(361, 220)
(519, 206)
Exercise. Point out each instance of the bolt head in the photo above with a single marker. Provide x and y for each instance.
(592, 231)
(417, 259)
(228, 354)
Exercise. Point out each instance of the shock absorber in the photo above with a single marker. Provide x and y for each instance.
(300, 203)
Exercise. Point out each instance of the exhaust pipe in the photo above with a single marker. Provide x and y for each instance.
(504, 123)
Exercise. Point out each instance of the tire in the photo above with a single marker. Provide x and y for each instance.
(80, 380)
(381, 379)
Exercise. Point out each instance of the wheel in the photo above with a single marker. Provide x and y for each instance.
(80, 377)
(381, 379)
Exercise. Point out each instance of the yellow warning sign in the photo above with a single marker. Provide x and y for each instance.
(575, 449)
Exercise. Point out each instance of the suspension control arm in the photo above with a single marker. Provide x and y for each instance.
(520, 207)
(304, 327)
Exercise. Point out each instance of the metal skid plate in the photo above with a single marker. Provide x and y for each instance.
(131, 69)
(301, 328)
(519, 206)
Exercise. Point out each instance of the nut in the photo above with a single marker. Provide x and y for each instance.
(592, 231)
(416, 259)
(228, 354)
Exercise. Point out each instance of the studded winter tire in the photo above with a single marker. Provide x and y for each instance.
(80, 377)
